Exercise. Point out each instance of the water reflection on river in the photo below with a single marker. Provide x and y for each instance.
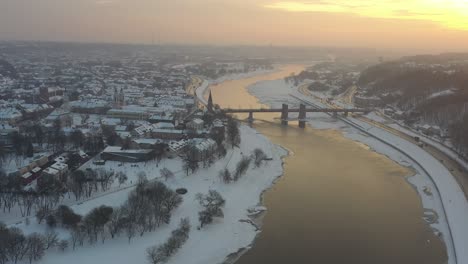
(337, 202)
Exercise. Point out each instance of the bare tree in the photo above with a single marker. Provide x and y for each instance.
(50, 239)
(122, 178)
(36, 247)
(17, 245)
(77, 138)
(63, 245)
(115, 223)
(166, 173)
(241, 168)
(259, 156)
(42, 213)
(106, 178)
(233, 134)
(5, 235)
(96, 220)
(130, 230)
(212, 204)
(178, 237)
(191, 159)
(75, 235)
(225, 175)
(142, 178)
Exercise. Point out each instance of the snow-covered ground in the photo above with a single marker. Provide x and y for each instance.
(447, 198)
(214, 242)
(441, 93)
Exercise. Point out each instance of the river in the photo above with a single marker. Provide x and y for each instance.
(337, 202)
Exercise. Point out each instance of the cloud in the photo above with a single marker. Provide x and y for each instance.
(448, 13)
(408, 13)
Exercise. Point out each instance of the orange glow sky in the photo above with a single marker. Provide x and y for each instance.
(425, 25)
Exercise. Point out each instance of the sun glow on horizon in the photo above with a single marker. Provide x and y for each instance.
(452, 14)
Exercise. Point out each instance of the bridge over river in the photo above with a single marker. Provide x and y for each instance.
(302, 110)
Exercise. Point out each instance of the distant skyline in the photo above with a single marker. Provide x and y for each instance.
(415, 25)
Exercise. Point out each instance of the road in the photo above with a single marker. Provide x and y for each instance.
(455, 168)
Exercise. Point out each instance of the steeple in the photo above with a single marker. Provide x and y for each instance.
(210, 103)
(119, 98)
(116, 96)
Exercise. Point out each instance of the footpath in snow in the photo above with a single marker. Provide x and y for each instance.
(214, 242)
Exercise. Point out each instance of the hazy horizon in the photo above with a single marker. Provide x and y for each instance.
(413, 25)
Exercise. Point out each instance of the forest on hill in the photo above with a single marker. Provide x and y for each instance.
(430, 89)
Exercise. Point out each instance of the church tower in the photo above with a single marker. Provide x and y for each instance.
(115, 97)
(210, 103)
(118, 98)
(121, 98)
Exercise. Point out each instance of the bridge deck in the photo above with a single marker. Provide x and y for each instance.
(297, 110)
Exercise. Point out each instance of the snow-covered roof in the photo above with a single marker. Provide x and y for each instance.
(111, 121)
(89, 104)
(59, 166)
(218, 123)
(171, 131)
(115, 149)
(166, 117)
(82, 154)
(7, 127)
(60, 159)
(123, 134)
(51, 171)
(120, 128)
(204, 144)
(57, 113)
(26, 175)
(178, 145)
(150, 141)
(197, 121)
(9, 113)
(163, 125)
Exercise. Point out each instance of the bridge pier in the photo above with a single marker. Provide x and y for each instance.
(302, 110)
(302, 116)
(284, 115)
(251, 118)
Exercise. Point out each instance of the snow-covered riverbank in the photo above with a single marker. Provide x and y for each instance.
(214, 242)
(436, 186)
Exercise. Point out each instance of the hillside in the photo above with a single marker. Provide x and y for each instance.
(429, 89)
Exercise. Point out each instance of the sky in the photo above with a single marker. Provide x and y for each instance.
(424, 25)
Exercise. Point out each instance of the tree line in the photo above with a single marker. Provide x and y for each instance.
(257, 156)
(15, 246)
(50, 190)
(147, 207)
